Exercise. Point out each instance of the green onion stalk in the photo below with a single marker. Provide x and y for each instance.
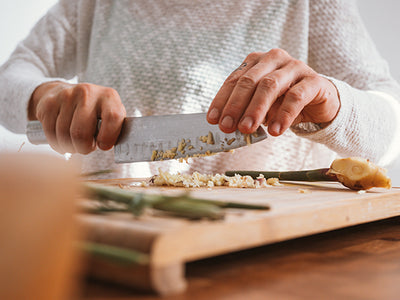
(181, 205)
(114, 254)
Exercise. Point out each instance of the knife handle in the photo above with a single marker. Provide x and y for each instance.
(35, 133)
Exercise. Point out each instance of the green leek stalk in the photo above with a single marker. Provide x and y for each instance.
(305, 175)
(183, 205)
(115, 254)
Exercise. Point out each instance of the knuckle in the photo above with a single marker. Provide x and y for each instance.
(113, 116)
(269, 83)
(297, 95)
(253, 56)
(47, 107)
(65, 93)
(278, 52)
(298, 64)
(301, 67)
(83, 90)
(315, 79)
(232, 80)
(287, 116)
(234, 109)
(110, 93)
(247, 82)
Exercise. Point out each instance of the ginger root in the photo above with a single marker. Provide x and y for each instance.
(359, 174)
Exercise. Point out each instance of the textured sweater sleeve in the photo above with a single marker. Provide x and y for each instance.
(368, 123)
(48, 53)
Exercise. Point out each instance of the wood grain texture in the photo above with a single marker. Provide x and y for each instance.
(172, 242)
(360, 262)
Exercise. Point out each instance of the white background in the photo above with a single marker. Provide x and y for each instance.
(18, 16)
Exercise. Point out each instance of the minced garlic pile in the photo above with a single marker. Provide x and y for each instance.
(203, 180)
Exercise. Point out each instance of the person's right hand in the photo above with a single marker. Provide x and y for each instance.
(69, 114)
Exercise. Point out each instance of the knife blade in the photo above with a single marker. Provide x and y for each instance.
(154, 138)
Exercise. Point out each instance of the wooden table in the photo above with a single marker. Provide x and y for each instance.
(359, 262)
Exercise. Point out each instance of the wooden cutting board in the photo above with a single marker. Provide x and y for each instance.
(296, 210)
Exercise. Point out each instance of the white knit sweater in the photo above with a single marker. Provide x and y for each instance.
(169, 57)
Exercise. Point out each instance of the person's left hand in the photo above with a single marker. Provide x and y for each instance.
(276, 90)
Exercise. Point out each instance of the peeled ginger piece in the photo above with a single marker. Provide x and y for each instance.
(359, 174)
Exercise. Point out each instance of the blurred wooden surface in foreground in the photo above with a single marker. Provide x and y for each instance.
(360, 262)
(38, 231)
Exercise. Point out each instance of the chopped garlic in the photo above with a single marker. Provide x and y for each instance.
(144, 184)
(247, 138)
(229, 142)
(169, 153)
(210, 138)
(273, 181)
(181, 145)
(203, 138)
(154, 155)
(203, 180)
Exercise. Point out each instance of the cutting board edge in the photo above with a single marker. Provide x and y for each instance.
(268, 230)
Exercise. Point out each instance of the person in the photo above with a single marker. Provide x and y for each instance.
(305, 68)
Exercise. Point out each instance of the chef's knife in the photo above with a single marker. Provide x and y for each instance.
(166, 137)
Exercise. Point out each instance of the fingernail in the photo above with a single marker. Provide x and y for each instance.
(227, 122)
(214, 114)
(102, 146)
(275, 127)
(247, 122)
